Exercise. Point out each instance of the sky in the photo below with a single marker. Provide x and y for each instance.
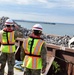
(58, 11)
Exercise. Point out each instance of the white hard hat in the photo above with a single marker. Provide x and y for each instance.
(9, 22)
(71, 43)
(37, 27)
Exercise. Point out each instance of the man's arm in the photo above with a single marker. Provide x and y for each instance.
(44, 57)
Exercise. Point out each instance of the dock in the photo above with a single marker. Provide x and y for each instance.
(63, 55)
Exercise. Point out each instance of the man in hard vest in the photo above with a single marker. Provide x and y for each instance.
(35, 52)
(7, 47)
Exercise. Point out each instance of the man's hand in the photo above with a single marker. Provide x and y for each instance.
(43, 70)
(16, 26)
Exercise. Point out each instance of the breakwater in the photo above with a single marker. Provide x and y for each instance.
(50, 39)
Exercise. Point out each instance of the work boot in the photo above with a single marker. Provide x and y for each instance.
(10, 73)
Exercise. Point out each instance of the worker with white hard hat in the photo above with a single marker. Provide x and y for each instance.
(7, 40)
(35, 52)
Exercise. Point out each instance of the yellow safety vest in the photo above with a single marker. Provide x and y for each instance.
(32, 48)
(7, 41)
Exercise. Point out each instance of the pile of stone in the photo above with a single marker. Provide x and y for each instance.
(58, 40)
(52, 39)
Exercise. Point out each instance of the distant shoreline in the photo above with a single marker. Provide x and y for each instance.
(35, 22)
(52, 23)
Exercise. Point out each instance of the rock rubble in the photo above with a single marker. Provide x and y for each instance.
(52, 39)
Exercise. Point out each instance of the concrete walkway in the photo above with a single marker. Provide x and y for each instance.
(16, 72)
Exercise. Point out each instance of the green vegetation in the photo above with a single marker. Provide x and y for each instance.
(55, 67)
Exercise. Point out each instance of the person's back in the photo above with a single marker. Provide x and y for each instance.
(35, 53)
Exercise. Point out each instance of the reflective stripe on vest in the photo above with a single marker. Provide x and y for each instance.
(7, 46)
(33, 62)
(25, 45)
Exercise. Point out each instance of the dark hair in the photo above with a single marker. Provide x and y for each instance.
(37, 32)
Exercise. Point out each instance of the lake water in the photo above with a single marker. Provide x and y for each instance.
(57, 29)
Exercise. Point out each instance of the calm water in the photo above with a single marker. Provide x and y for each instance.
(57, 29)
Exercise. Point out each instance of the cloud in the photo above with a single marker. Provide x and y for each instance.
(24, 1)
(6, 1)
(31, 1)
(63, 3)
(44, 3)
(37, 17)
